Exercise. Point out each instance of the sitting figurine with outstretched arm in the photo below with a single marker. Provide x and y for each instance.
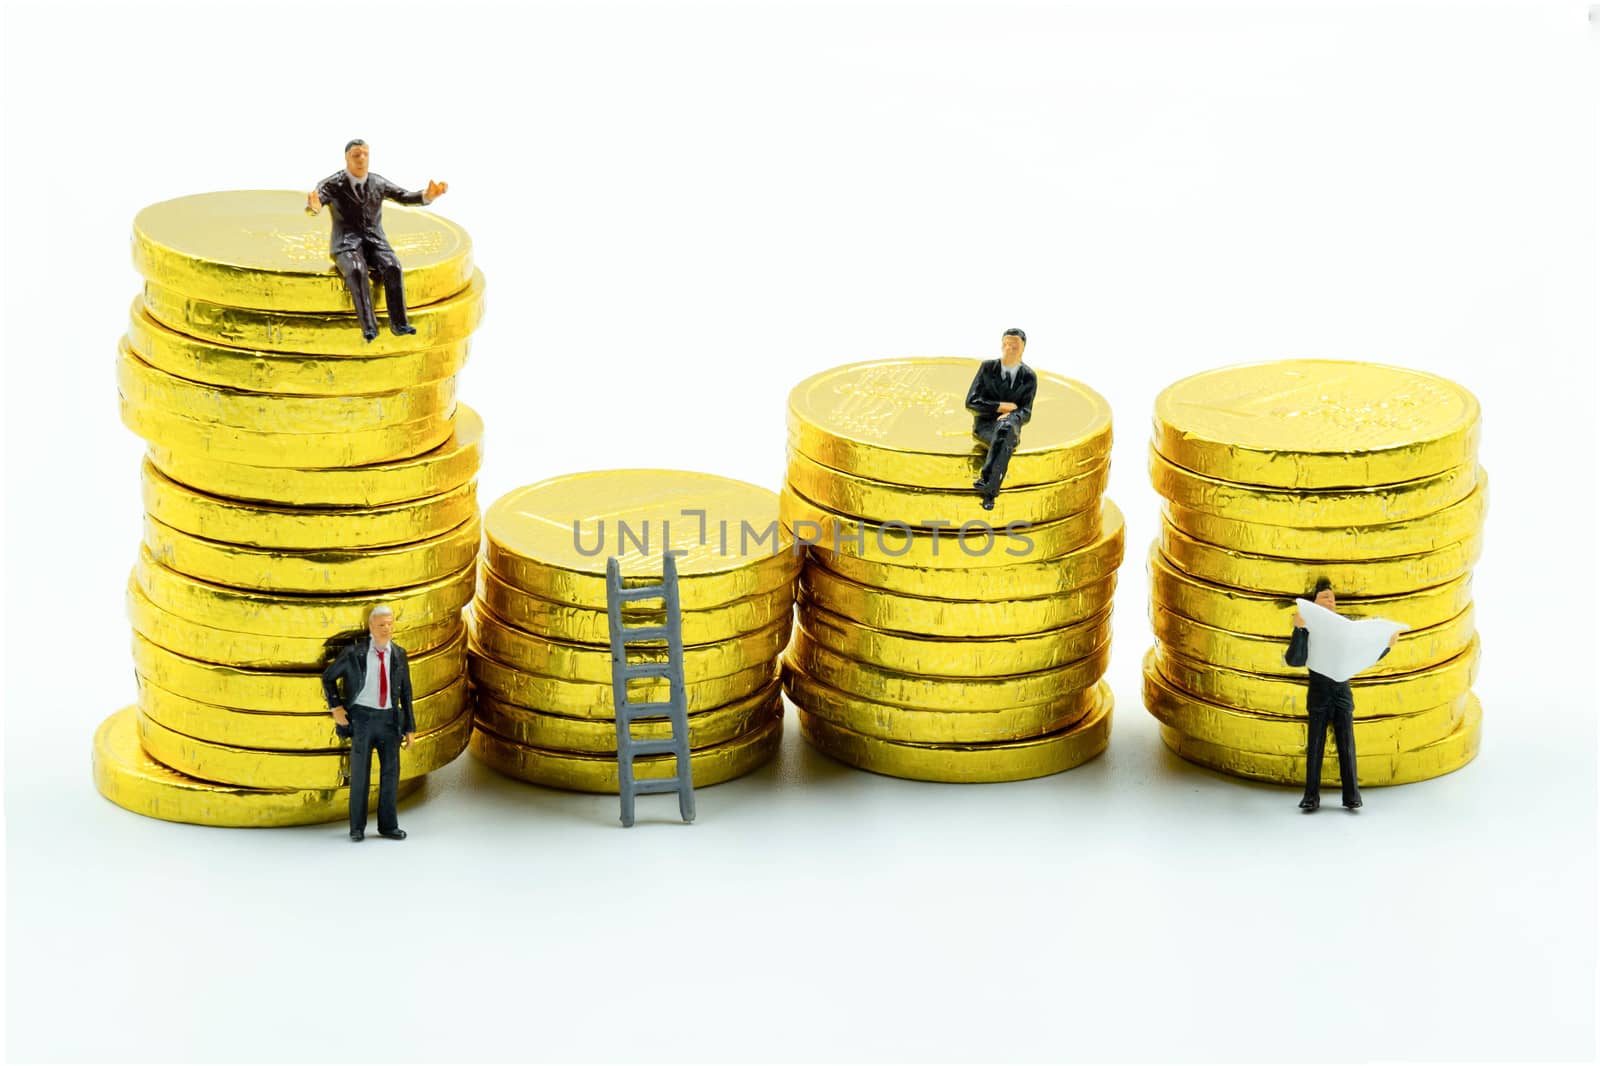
(1001, 402)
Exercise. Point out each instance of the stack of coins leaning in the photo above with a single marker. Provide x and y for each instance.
(1277, 475)
(540, 655)
(936, 640)
(296, 476)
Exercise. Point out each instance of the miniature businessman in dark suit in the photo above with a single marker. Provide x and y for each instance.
(1001, 401)
(376, 710)
(1328, 702)
(359, 247)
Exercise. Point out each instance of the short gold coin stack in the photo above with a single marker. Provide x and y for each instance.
(540, 655)
(937, 640)
(1277, 475)
(296, 477)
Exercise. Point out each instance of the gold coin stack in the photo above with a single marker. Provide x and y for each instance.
(540, 655)
(936, 640)
(1276, 475)
(296, 476)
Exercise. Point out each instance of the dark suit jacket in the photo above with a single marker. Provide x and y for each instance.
(359, 218)
(1321, 690)
(989, 389)
(351, 665)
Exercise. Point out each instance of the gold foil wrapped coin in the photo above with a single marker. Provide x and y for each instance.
(1374, 695)
(1014, 760)
(593, 699)
(1029, 580)
(1296, 577)
(1316, 423)
(127, 776)
(260, 248)
(304, 528)
(432, 473)
(292, 769)
(1324, 508)
(446, 321)
(952, 618)
(598, 773)
(552, 539)
(335, 571)
(864, 498)
(1441, 757)
(587, 625)
(539, 729)
(904, 421)
(1267, 615)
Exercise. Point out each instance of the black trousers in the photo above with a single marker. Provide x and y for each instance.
(1334, 706)
(376, 260)
(371, 729)
(1002, 437)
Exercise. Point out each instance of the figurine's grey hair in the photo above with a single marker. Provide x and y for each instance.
(353, 143)
(1008, 333)
(379, 610)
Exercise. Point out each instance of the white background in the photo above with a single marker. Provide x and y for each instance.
(694, 208)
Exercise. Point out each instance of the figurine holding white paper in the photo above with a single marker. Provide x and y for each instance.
(1343, 647)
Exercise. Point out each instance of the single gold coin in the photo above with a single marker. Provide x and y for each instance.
(1279, 735)
(553, 732)
(265, 412)
(905, 421)
(127, 776)
(1012, 760)
(500, 640)
(1441, 529)
(593, 699)
(259, 248)
(1365, 577)
(996, 584)
(1268, 615)
(304, 528)
(909, 653)
(256, 768)
(1317, 423)
(1416, 649)
(977, 544)
(580, 772)
(588, 625)
(1374, 695)
(1441, 757)
(923, 726)
(942, 693)
(256, 651)
(878, 501)
(277, 731)
(952, 618)
(280, 691)
(281, 614)
(446, 321)
(272, 372)
(440, 470)
(336, 571)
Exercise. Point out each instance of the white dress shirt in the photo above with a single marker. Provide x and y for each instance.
(368, 696)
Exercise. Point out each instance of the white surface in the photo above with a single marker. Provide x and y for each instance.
(1342, 647)
(699, 207)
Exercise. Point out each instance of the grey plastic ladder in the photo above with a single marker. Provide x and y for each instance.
(676, 709)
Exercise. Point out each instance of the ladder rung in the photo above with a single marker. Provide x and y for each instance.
(633, 670)
(642, 592)
(657, 784)
(640, 634)
(666, 746)
(630, 712)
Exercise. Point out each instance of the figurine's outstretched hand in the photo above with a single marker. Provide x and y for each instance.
(313, 202)
(436, 189)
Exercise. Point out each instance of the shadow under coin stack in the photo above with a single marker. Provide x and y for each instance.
(296, 477)
(1276, 475)
(541, 654)
(936, 640)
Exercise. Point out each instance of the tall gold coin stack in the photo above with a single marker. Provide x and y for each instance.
(540, 655)
(936, 640)
(1274, 476)
(296, 477)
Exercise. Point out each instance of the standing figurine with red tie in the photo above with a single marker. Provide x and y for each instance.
(1001, 402)
(374, 712)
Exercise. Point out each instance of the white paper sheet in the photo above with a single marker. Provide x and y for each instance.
(1342, 647)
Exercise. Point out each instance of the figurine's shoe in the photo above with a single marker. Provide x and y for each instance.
(402, 331)
(1310, 803)
(393, 834)
(358, 834)
(369, 335)
(988, 503)
(1353, 804)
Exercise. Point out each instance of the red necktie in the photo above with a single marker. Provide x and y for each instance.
(383, 683)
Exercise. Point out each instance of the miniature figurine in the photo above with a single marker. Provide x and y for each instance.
(1328, 701)
(375, 713)
(1001, 402)
(358, 245)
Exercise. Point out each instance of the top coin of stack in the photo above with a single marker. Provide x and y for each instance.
(296, 476)
(936, 640)
(1278, 475)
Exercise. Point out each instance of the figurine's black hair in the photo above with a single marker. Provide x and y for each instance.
(1322, 583)
(1007, 333)
(353, 143)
